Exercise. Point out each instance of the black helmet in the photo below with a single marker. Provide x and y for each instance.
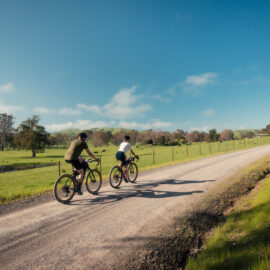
(127, 138)
(83, 135)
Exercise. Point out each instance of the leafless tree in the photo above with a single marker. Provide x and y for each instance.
(6, 128)
(226, 135)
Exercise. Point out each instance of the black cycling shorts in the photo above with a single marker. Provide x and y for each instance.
(76, 164)
(122, 157)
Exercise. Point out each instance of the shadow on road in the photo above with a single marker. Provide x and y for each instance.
(140, 190)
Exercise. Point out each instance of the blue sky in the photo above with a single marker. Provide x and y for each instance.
(136, 64)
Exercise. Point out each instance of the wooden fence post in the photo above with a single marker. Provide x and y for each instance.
(187, 150)
(100, 164)
(153, 156)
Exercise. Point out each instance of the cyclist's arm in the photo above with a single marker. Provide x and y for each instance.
(133, 153)
(91, 154)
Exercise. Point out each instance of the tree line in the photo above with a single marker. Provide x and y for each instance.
(29, 134)
(32, 136)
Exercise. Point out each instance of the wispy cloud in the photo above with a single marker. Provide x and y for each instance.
(4, 108)
(43, 110)
(62, 111)
(201, 80)
(193, 84)
(5, 88)
(209, 112)
(123, 105)
(91, 108)
(252, 81)
(204, 128)
(154, 124)
(69, 111)
(80, 124)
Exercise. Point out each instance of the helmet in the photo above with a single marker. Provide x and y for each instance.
(83, 135)
(127, 138)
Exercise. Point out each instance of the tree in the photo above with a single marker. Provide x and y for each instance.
(31, 136)
(248, 134)
(213, 136)
(58, 139)
(6, 128)
(162, 137)
(226, 135)
(193, 136)
(101, 137)
(203, 136)
(61, 139)
(266, 130)
(179, 135)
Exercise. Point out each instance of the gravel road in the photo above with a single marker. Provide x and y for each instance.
(95, 232)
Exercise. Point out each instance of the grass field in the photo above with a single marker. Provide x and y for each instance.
(243, 241)
(20, 184)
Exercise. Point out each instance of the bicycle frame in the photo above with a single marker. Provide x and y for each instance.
(87, 167)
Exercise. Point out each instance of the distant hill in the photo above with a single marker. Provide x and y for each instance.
(113, 130)
(69, 132)
(237, 133)
(72, 132)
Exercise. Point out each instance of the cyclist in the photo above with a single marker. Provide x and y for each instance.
(73, 156)
(120, 155)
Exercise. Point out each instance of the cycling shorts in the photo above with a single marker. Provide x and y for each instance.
(76, 164)
(122, 157)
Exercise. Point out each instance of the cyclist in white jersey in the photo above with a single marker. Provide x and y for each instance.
(120, 155)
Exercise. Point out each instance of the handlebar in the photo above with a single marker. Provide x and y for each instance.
(92, 160)
(133, 158)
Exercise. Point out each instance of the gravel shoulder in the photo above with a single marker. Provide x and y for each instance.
(96, 232)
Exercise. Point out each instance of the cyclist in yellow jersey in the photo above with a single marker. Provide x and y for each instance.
(73, 156)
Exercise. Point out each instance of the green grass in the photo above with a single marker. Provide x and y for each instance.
(24, 183)
(243, 241)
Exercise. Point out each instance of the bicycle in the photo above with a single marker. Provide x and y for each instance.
(116, 173)
(66, 185)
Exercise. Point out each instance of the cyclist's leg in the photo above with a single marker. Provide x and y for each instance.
(79, 168)
(80, 175)
(122, 157)
(125, 172)
(124, 165)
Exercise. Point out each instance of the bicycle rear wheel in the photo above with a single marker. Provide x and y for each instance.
(93, 181)
(115, 177)
(132, 172)
(64, 188)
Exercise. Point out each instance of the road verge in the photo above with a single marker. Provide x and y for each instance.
(184, 236)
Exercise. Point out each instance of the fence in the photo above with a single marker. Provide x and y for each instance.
(158, 155)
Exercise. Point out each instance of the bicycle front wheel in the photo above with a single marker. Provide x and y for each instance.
(132, 172)
(64, 188)
(93, 181)
(116, 177)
